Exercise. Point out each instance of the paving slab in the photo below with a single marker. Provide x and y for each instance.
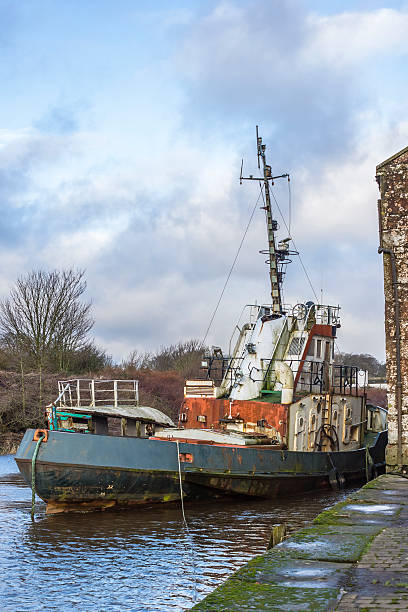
(287, 571)
(392, 496)
(234, 596)
(359, 511)
(331, 542)
(353, 557)
(381, 575)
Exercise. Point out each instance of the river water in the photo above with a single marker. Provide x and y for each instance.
(138, 559)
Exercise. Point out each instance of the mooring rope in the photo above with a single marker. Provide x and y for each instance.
(181, 484)
(33, 462)
(368, 461)
(190, 539)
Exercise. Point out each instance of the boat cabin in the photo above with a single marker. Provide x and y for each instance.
(104, 407)
(280, 381)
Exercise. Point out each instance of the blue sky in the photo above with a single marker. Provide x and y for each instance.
(122, 127)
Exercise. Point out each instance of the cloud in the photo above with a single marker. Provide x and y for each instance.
(347, 40)
(313, 81)
(153, 209)
(304, 77)
(59, 119)
(22, 154)
(246, 62)
(149, 252)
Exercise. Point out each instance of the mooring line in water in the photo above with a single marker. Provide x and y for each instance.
(33, 461)
(181, 484)
(185, 525)
(370, 474)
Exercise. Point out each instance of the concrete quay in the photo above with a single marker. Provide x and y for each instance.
(353, 556)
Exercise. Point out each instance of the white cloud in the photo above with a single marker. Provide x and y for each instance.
(153, 210)
(350, 38)
(341, 199)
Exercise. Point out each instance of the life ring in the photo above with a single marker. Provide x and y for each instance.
(40, 432)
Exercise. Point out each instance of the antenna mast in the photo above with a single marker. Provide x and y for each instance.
(277, 258)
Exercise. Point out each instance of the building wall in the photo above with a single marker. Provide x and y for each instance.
(392, 177)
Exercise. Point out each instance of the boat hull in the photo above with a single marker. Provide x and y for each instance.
(80, 472)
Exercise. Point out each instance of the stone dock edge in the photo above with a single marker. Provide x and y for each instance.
(353, 556)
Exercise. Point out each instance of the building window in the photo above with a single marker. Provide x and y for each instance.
(318, 348)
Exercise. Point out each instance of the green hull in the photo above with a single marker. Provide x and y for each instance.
(102, 471)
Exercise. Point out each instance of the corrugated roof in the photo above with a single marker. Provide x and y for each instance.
(140, 413)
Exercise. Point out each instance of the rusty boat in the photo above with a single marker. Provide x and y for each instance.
(273, 416)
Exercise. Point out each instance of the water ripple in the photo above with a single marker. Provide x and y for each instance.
(138, 560)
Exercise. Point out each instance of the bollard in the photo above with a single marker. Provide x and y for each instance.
(278, 534)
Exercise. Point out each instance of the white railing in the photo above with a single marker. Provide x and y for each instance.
(91, 392)
(327, 315)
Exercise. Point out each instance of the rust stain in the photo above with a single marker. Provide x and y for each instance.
(54, 507)
(248, 410)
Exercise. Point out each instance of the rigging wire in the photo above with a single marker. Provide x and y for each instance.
(289, 205)
(294, 244)
(232, 267)
(295, 247)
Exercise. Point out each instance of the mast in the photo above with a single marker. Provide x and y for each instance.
(277, 258)
(272, 226)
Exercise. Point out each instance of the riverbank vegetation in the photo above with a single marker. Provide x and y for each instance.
(161, 376)
(23, 395)
(45, 331)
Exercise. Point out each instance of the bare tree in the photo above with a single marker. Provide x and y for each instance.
(375, 368)
(44, 318)
(184, 357)
(137, 360)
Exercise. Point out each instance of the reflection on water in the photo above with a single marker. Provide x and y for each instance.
(133, 559)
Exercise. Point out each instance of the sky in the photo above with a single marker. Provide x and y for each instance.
(122, 129)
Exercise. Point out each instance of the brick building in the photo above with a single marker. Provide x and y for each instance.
(392, 177)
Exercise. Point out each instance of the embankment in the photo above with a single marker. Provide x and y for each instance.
(353, 557)
(9, 442)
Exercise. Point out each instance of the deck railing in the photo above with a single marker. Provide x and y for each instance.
(91, 392)
(314, 376)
